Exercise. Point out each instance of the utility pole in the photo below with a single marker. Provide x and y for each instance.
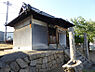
(5, 34)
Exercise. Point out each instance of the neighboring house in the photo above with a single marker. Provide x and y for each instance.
(35, 29)
(9, 36)
(1, 36)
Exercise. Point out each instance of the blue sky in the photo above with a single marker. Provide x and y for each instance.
(65, 9)
(68, 8)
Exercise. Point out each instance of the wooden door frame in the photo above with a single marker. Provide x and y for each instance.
(57, 38)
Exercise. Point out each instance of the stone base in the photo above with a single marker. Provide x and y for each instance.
(33, 61)
(73, 66)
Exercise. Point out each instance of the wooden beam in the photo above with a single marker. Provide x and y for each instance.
(61, 28)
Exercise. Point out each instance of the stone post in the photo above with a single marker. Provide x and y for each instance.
(86, 51)
(73, 65)
(72, 44)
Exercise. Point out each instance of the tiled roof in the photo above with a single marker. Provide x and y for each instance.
(27, 10)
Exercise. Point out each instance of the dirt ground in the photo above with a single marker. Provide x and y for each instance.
(5, 46)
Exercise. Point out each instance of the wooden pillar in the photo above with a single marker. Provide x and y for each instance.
(48, 35)
(86, 51)
(57, 38)
(72, 44)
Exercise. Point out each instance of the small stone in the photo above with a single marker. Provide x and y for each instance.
(50, 64)
(52, 57)
(22, 63)
(49, 59)
(14, 66)
(2, 64)
(39, 66)
(39, 61)
(47, 65)
(53, 62)
(33, 63)
(43, 66)
(45, 60)
(42, 70)
(37, 70)
(28, 69)
(32, 69)
(33, 56)
(24, 70)
(57, 60)
(12, 71)
(55, 56)
(5, 69)
(26, 60)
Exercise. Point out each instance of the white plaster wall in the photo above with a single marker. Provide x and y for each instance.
(22, 38)
(23, 23)
(23, 35)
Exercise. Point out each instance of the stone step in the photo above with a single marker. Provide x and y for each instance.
(86, 62)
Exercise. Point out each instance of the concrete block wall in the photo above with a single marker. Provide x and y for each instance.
(32, 61)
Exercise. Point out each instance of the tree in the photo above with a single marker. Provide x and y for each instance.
(84, 32)
(83, 26)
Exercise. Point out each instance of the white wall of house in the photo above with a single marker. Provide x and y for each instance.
(30, 38)
(23, 35)
(22, 38)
